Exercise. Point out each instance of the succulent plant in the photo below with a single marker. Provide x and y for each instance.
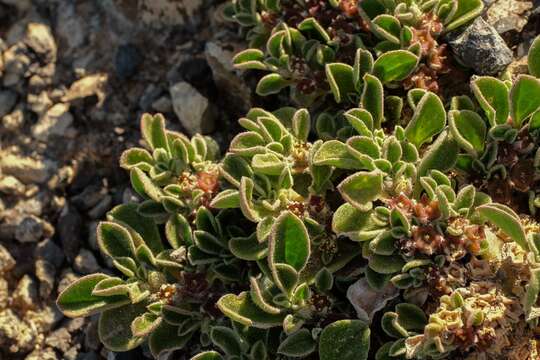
(500, 149)
(315, 47)
(377, 231)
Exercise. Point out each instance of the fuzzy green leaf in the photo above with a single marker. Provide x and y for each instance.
(394, 65)
(240, 308)
(507, 220)
(492, 94)
(525, 99)
(361, 189)
(227, 340)
(373, 99)
(335, 153)
(289, 242)
(153, 131)
(298, 344)
(534, 58)
(340, 78)
(344, 340)
(271, 84)
(469, 129)
(428, 120)
(165, 338)
(115, 240)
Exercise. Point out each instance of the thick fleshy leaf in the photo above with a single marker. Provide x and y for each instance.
(469, 129)
(344, 340)
(411, 317)
(165, 338)
(340, 78)
(289, 242)
(248, 248)
(208, 355)
(348, 220)
(525, 99)
(301, 124)
(144, 324)
(267, 164)
(77, 299)
(144, 229)
(114, 327)
(271, 84)
(373, 99)
(227, 199)
(386, 27)
(143, 185)
(386, 264)
(492, 94)
(441, 155)
(362, 188)
(178, 231)
(324, 280)
(506, 219)
(136, 157)
(153, 131)
(227, 340)
(428, 120)
(466, 11)
(240, 308)
(534, 58)
(394, 65)
(246, 144)
(335, 153)
(115, 240)
(298, 344)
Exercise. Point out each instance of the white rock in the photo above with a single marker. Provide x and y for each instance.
(192, 109)
(40, 103)
(11, 185)
(56, 121)
(27, 170)
(87, 86)
(367, 301)
(40, 39)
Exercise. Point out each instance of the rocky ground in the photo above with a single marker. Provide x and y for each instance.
(75, 76)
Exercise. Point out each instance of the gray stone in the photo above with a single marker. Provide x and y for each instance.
(29, 230)
(193, 110)
(163, 104)
(85, 263)
(39, 103)
(89, 197)
(480, 47)
(45, 273)
(56, 121)
(101, 207)
(69, 230)
(49, 251)
(8, 99)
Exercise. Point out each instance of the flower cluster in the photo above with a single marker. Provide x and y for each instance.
(405, 216)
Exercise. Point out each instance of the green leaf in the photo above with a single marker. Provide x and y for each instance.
(227, 199)
(248, 248)
(507, 220)
(411, 317)
(227, 340)
(394, 65)
(77, 300)
(344, 340)
(246, 144)
(324, 280)
(178, 231)
(525, 99)
(271, 84)
(136, 157)
(340, 78)
(144, 324)
(298, 344)
(115, 240)
(428, 120)
(301, 124)
(153, 131)
(469, 129)
(114, 327)
(335, 153)
(240, 308)
(361, 189)
(373, 99)
(208, 355)
(143, 229)
(289, 242)
(533, 58)
(441, 155)
(466, 11)
(249, 59)
(348, 220)
(267, 164)
(285, 277)
(165, 339)
(492, 94)
(386, 264)
(143, 185)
